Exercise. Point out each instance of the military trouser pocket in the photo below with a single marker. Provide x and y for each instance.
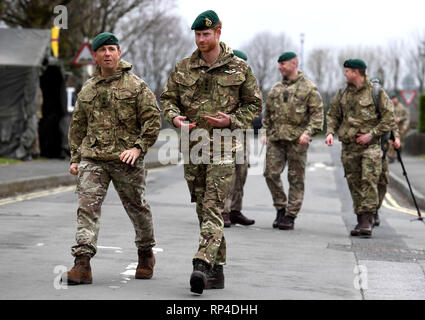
(220, 176)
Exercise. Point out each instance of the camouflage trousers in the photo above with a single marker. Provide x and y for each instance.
(209, 186)
(363, 167)
(278, 154)
(384, 180)
(93, 181)
(234, 200)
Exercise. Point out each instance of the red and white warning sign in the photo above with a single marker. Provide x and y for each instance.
(85, 56)
(408, 96)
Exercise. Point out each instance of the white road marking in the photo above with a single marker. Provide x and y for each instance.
(111, 248)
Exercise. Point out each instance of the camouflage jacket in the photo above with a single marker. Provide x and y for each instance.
(293, 107)
(355, 112)
(403, 115)
(113, 114)
(195, 90)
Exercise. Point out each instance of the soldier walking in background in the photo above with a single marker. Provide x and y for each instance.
(293, 115)
(212, 89)
(233, 204)
(403, 124)
(360, 123)
(115, 121)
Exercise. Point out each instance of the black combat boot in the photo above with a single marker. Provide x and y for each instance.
(366, 224)
(279, 215)
(238, 217)
(198, 279)
(215, 278)
(226, 219)
(286, 223)
(356, 231)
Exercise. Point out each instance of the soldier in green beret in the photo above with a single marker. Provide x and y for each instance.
(115, 121)
(209, 91)
(233, 204)
(403, 124)
(360, 123)
(293, 115)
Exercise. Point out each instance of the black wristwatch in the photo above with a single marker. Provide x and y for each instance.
(137, 146)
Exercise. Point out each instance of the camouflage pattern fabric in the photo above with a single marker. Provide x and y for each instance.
(384, 180)
(195, 90)
(362, 166)
(278, 154)
(355, 112)
(352, 113)
(403, 126)
(94, 178)
(112, 115)
(209, 186)
(293, 107)
(234, 200)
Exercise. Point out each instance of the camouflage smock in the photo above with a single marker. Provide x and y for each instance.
(195, 90)
(112, 115)
(293, 107)
(359, 114)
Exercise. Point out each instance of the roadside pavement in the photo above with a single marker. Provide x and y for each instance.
(40, 174)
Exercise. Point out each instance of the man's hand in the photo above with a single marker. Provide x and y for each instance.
(263, 139)
(130, 156)
(73, 168)
(330, 140)
(305, 139)
(180, 123)
(363, 139)
(397, 143)
(223, 120)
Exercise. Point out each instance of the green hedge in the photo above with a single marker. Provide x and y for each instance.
(421, 122)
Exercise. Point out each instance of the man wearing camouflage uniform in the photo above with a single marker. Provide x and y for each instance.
(116, 119)
(293, 115)
(402, 121)
(360, 125)
(233, 204)
(212, 89)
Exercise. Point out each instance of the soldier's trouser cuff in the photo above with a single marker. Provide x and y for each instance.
(83, 249)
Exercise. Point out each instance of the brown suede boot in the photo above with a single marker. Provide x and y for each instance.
(80, 273)
(215, 278)
(366, 224)
(144, 269)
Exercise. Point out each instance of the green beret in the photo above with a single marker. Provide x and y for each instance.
(206, 20)
(286, 56)
(104, 38)
(240, 54)
(355, 64)
(393, 95)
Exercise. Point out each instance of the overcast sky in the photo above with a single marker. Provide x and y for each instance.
(325, 23)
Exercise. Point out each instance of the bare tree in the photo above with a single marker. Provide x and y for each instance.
(415, 58)
(155, 53)
(263, 51)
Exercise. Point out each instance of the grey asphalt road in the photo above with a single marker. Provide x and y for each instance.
(318, 260)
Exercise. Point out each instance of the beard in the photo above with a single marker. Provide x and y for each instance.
(207, 46)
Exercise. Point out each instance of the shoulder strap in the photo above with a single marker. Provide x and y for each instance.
(376, 90)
